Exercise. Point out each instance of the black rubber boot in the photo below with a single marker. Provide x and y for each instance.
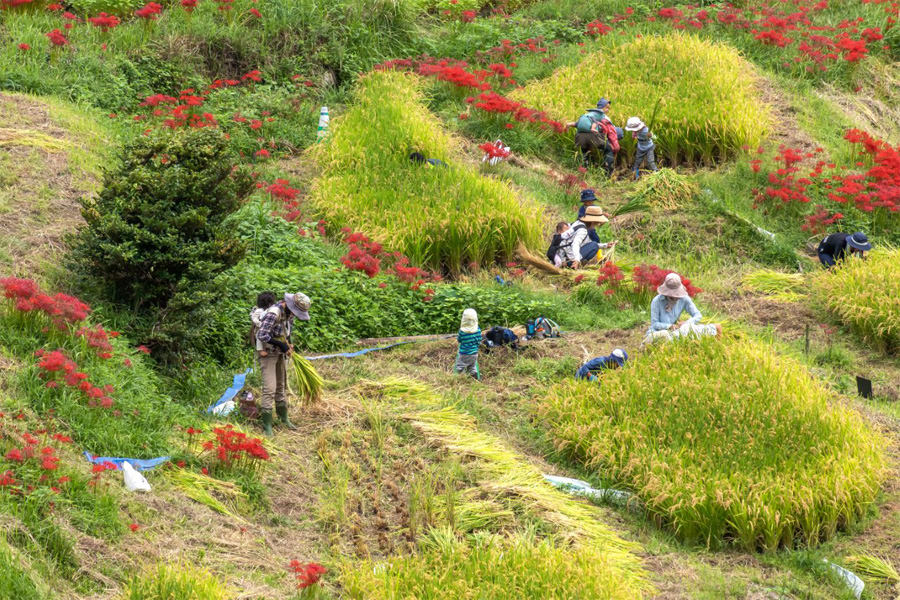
(283, 416)
(265, 417)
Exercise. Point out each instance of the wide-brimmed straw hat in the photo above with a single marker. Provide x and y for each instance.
(634, 124)
(594, 214)
(298, 304)
(672, 287)
(859, 241)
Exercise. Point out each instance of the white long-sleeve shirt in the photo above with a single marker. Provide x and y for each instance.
(579, 237)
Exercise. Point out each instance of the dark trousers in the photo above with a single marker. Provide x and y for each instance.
(639, 158)
(592, 144)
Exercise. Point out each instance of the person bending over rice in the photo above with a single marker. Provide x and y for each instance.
(665, 310)
(469, 338)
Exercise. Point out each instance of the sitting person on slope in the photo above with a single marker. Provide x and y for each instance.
(665, 310)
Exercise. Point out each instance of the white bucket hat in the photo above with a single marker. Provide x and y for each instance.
(469, 323)
(634, 124)
(298, 304)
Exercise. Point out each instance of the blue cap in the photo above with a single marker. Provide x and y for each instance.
(858, 240)
(602, 103)
(588, 195)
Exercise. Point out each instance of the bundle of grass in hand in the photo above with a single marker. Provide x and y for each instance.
(307, 379)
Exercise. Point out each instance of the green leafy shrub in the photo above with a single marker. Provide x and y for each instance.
(441, 218)
(866, 296)
(175, 582)
(724, 441)
(696, 95)
(491, 568)
(153, 237)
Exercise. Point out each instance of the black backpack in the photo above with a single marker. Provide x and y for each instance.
(500, 336)
(554, 247)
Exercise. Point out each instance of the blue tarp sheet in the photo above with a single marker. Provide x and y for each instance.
(367, 350)
(231, 392)
(138, 463)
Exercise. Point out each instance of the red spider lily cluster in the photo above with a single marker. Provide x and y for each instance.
(597, 28)
(30, 458)
(27, 296)
(368, 256)
(104, 21)
(234, 451)
(646, 278)
(568, 181)
(489, 101)
(98, 337)
(832, 186)
(610, 275)
(283, 193)
(149, 11)
(56, 368)
(307, 574)
(57, 38)
(793, 28)
(494, 151)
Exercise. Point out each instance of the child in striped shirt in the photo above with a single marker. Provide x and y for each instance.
(469, 338)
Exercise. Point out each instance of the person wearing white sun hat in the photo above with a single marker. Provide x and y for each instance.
(671, 301)
(645, 146)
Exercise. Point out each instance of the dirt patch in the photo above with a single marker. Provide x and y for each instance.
(39, 197)
(788, 319)
(785, 132)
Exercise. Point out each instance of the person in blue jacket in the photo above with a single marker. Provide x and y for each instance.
(837, 246)
(593, 368)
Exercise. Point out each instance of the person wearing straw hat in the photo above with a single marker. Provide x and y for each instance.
(469, 338)
(592, 369)
(667, 307)
(275, 334)
(577, 247)
(645, 145)
(836, 246)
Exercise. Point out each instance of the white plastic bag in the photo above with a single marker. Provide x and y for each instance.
(134, 481)
(224, 409)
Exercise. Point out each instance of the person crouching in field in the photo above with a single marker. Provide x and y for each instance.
(837, 246)
(645, 145)
(592, 369)
(275, 334)
(577, 247)
(469, 338)
(665, 310)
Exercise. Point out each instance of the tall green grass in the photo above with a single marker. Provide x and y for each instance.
(724, 441)
(697, 96)
(442, 218)
(175, 582)
(866, 296)
(15, 579)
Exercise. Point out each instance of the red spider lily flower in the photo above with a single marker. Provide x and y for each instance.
(255, 13)
(144, 349)
(133, 527)
(104, 21)
(63, 439)
(149, 11)
(50, 463)
(262, 153)
(14, 455)
(23, 47)
(57, 38)
(307, 574)
(54, 7)
(189, 5)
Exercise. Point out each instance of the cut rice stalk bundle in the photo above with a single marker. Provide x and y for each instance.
(665, 189)
(874, 568)
(200, 488)
(786, 287)
(308, 381)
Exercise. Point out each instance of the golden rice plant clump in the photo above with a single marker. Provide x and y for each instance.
(698, 96)
(865, 294)
(725, 441)
(442, 218)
